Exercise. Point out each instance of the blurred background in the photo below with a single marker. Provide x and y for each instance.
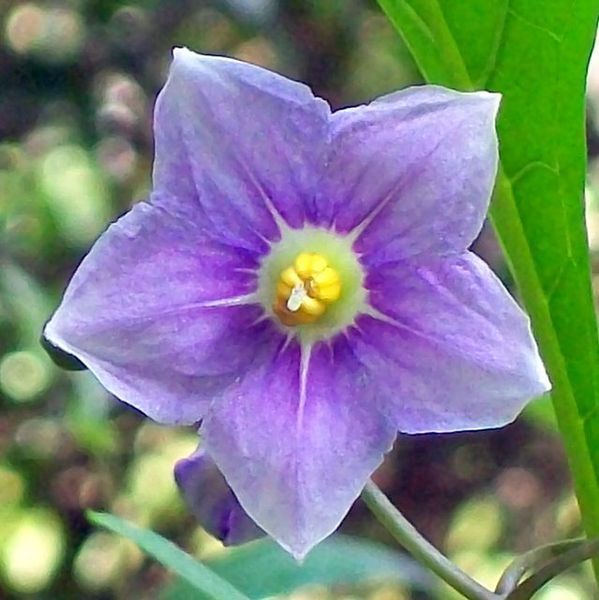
(78, 80)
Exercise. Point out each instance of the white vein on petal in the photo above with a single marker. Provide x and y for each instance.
(305, 354)
(381, 316)
(263, 317)
(218, 303)
(240, 161)
(249, 270)
(377, 314)
(360, 227)
(270, 207)
(289, 337)
(233, 301)
(242, 300)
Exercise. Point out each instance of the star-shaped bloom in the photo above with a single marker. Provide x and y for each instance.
(299, 282)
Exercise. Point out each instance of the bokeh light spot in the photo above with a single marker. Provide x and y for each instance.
(23, 375)
(52, 34)
(12, 486)
(24, 27)
(103, 559)
(76, 193)
(33, 552)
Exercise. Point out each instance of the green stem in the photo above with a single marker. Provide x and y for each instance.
(576, 554)
(546, 562)
(530, 561)
(407, 535)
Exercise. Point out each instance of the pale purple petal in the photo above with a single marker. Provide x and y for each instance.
(162, 317)
(234, 141)
(298, 455)
(415, 170)
(212, 501)
(450, 349)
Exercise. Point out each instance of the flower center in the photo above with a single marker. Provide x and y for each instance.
(305, 289)
(311, 283)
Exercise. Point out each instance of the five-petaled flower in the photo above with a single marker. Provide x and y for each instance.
(299, 283)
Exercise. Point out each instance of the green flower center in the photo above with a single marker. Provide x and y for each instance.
(312, 283)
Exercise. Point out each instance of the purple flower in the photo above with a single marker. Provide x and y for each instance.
(299, 281)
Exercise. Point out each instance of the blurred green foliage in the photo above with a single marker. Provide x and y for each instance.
(263, 569)
(77, 83)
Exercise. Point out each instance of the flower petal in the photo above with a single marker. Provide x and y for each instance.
(413, 170)
(448, 346)
(163, 318)
(212, 501)
(239, 145)
(297, 439)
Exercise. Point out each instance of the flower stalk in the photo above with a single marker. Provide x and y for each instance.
(420, 548)
(545, 562)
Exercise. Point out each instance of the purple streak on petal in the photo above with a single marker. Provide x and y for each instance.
(297, 481)
(452, 350)
(212, 501)
(152, 311)
(414, 169)
(234, 140)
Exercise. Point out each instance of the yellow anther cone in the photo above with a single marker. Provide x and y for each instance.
(305, 289)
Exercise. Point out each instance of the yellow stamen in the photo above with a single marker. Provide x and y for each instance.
(290, 277)
(305, 289)
(326, 277)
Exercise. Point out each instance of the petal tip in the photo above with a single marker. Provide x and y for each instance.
(543, 379)
(298, 550)
(492, 99)
(181, 51)
(51, 334)
(54, 348)
(186, 61)
(182, 58)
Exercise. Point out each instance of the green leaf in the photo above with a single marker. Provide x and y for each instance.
(263, 569)
(535, 54)
(200, 577)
